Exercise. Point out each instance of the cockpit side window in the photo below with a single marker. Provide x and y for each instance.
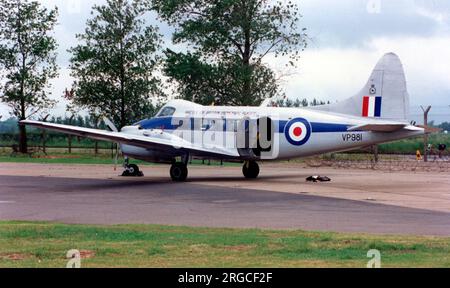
(166, 111)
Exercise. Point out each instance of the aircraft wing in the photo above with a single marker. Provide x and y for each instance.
(162, 141)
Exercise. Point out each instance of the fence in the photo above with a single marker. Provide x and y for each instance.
(436, 163)
(50, 142)
(60, 143)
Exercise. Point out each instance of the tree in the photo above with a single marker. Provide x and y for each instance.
(114, 63)
(27, 58)
(287, 102)
(445, 126)
(316, 102)
(228, 40)
(221, 83)
(305, 102)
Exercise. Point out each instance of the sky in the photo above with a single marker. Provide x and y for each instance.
(346, 39)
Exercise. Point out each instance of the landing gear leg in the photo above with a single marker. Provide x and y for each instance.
(250, 169)
(131, 170)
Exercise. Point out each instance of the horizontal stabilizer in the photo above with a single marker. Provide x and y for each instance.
(378, 127)
(429, 129)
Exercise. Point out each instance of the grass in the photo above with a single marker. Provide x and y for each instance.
(409, 146)
(64, 158)
(45, 245)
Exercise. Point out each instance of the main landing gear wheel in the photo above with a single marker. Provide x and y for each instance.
(250, 170)
(178, 172)
(132, 170)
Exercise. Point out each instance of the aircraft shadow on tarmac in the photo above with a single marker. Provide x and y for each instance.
(149, 180)
(107, 201)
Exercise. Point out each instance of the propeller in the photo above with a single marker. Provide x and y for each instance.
(117, 156)
(110, 124)
(113, 128)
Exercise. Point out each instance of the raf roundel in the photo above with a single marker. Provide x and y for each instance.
(297, 131)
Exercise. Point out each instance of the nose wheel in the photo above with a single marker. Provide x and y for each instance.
(178, 172)
(250, 170)
(132, 170)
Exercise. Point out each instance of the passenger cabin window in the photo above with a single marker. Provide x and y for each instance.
(166, 111)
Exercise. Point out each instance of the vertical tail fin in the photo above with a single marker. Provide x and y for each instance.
(384, 96)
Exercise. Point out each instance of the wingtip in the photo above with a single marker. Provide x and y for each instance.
(25, 122)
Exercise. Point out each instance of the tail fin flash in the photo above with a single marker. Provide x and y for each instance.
(384, 96)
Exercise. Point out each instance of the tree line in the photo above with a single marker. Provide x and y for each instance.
(38, 137)
(10, 125)
(119, 61)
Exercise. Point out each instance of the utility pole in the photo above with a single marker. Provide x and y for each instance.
(425, 137)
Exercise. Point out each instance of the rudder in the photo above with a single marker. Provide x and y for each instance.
(384, 96)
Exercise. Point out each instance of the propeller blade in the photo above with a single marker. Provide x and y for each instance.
(110, 124)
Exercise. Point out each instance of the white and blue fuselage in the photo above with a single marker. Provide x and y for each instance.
(318, 132)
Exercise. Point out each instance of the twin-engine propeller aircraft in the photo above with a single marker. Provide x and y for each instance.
(182, 129)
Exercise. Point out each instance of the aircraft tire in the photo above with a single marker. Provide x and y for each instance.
(250, 170)
(178, 172)
(132, 170)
